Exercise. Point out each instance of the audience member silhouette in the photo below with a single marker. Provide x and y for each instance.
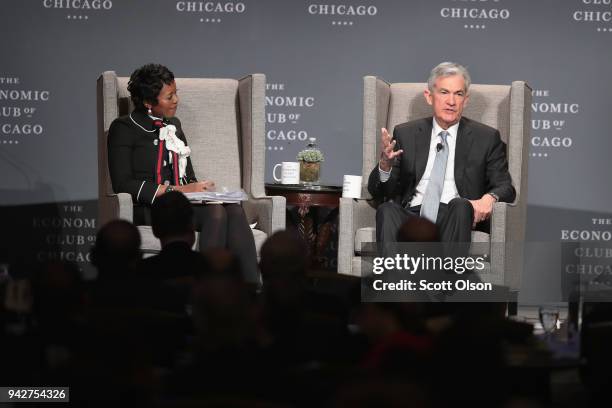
(116, 252)
(117, 256)
(172, 224)
(394, 329)
(305, 325)
(222, 305)
(226, 353)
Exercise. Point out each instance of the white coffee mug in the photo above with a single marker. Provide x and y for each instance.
(351, 186)
(290, 173)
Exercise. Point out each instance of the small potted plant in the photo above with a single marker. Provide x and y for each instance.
(310, 163)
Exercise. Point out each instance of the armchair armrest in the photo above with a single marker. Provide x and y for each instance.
(354, 214)
(507, 222)
(507, 242)
(126, 207)
(113, 206)
(268, 211)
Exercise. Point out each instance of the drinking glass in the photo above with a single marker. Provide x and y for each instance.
(549, 317)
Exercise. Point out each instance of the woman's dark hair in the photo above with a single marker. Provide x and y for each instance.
(146, 83)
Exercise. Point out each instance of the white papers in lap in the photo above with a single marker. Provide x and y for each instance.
(230, 197)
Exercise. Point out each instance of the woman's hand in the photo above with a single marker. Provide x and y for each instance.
(197, 187)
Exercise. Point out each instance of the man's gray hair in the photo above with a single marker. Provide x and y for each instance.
(445, 69)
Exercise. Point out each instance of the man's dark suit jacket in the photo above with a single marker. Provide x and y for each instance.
(133, 155)
(480, 163)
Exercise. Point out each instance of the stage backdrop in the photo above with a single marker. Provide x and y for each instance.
(314, 55)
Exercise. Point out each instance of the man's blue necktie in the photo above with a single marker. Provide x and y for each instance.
(431, 200)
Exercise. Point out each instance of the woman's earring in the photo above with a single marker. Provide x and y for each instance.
(149, 111)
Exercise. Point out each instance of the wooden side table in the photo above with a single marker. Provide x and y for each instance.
(320, 231)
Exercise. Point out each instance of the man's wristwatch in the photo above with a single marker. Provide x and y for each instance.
(495, 196)
(169, 189)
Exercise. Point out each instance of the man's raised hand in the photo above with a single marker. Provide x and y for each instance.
(387, 154)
